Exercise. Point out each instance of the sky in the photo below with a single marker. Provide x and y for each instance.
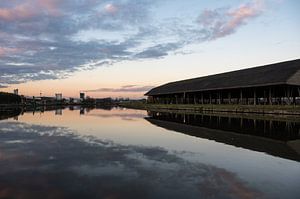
(123, 48)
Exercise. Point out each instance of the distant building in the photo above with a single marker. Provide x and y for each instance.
(16, 91)
(76, 101)
(9, 98)
(71, 100)
(107, 100)
(58, 96)
(48, 100)
(82, 96)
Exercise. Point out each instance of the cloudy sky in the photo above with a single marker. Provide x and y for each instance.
(122, 48)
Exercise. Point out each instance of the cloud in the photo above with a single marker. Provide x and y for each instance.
(29, 9)
(43, 38)
(110, 8)
(59, 162)
(6, 51)
(22, 11)
(53, 37)
(126, 88)
(222, 22)
(158, 51)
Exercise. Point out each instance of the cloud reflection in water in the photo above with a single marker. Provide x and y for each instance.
(38, 161)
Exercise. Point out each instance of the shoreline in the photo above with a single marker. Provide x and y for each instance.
(262, 110)
(9, 106)
(282, 113)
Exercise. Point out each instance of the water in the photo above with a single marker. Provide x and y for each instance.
(123, 153)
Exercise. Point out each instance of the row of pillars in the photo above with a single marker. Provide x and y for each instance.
(262, 126)
(220, 99)
(267, 98)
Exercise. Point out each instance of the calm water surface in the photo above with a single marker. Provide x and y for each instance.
(124, 153)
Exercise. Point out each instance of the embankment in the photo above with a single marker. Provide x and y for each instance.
(194, 108)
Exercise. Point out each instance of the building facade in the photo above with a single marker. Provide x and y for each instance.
(58, 96)
(274, 84)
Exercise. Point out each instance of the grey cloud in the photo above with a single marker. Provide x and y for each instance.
(129, 86)
(158, 51)
(59, 62)
(44, 41)
(126, 88)
(222, 22)
(44, 37)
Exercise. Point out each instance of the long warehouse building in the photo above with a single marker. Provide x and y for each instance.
(274, 84)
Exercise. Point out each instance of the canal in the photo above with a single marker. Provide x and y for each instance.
(113, 152)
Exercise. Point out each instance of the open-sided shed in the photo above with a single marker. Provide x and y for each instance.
(277, 83)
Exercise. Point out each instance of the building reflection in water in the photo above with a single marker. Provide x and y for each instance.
(275, 137)
(52, 155)
(278, 137)
(82, 111)
(58, 112)
(10, 113)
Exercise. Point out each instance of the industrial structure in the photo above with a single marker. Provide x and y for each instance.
(274, 84)
(82, 96)
(16, 91)
(58, 96)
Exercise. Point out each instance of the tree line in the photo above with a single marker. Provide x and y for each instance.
(9, 98)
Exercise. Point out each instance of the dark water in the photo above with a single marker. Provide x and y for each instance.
(123, 153)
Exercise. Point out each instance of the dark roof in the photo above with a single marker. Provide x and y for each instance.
(274, 74)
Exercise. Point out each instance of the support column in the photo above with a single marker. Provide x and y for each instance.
(270, 96)
(222, 102)
(298, 89)
(294, 100)
(264, 97)
(209, 98)
(294, 97)
(229, 98)
(184, 100)
(202, 102)
(241, 97)
(254, 97)
(219, 97)
(288, 96)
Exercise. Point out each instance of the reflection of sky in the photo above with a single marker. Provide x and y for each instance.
(151, 149)
(61, 165)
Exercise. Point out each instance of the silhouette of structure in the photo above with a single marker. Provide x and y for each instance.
(58, 96)
(279, 138)
(274, 84)
(16, 91)
(82, 96)
(9, 98)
